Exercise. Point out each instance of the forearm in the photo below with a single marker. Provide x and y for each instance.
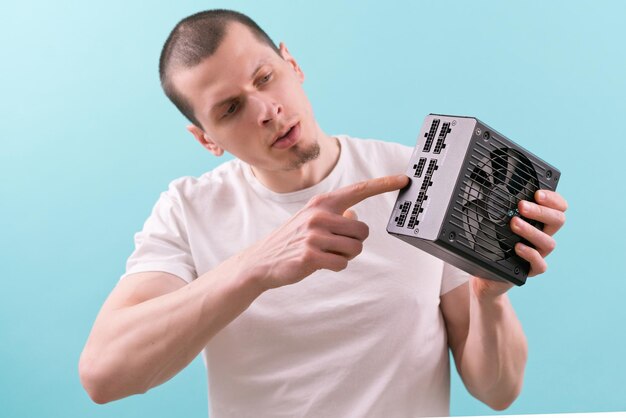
(495, 352)
(142, 341)
(135, 348)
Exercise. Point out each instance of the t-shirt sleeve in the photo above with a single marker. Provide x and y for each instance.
(162, 244)
(452, 277)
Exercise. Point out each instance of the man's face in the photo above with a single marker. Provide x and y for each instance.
(250, 102)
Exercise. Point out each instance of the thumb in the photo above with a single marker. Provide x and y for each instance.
(350, 214)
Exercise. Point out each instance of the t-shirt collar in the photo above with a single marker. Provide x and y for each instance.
(327, 184)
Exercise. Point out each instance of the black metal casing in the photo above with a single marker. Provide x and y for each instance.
(464, 189)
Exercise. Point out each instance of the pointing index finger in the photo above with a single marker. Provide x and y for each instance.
(342, 199)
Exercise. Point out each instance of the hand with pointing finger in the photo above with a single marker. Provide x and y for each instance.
(325, 234)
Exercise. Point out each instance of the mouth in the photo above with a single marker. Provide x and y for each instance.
(287, 137)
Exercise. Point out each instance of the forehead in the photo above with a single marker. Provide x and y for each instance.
(233, 63)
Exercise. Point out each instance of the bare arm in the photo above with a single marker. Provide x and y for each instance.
(154, 324)
(484, 334)
(488, 345)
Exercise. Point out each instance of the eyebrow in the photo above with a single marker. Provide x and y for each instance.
(233, 97)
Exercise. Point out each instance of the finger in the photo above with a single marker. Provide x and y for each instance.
(350, 214)
(339, 225)
(553, 219)
(333, 262)
(543, 242)
(538, 264)
(551, 199)
(342, 199)
(328, 261)
(336, 244)
(343, 246)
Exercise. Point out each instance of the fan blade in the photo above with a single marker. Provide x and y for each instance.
(473, 216)
(518, 172)
(485, 173)
(481, 176)
(498, 165)
(527, 191)
(472, 191)
(506, 239)
(486, 241)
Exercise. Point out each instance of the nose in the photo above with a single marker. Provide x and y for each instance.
(268, 109)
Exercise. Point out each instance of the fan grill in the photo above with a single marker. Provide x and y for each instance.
(492, 188)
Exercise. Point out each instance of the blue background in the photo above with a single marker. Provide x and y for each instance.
(88, 141)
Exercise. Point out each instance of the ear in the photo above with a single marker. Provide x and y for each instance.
(205, 141)
(284, 52)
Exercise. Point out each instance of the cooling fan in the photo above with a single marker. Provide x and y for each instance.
(490, 200)
(463, 194)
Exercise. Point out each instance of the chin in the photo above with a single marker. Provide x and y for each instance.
(302, 154)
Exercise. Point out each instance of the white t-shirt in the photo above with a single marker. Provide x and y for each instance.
(368, 341)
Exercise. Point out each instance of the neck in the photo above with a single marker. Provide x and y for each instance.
(309, 174)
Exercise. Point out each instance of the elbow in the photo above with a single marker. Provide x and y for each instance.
(91, 378)
(504, 401)
(500, 405)
(99, 382)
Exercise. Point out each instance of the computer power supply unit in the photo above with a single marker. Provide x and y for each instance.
(466, 182)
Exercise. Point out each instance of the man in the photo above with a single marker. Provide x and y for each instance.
(261, 263)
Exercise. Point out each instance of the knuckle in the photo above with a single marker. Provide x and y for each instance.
(313, 220)
(357, 249)
(320, 218)
(361, 231)
(540, 210)
(366, 231)
(308, 256)
(560, 218)
(342, 264)
(311, 240)
(551, 245)
(542, 267)
(359, 187)
(535, 232)
(317, 200)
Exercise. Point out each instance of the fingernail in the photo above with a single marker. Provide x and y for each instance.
(521, 246)
(541, 195)
(404, 179)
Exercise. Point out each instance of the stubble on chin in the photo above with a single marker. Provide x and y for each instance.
(303, 155)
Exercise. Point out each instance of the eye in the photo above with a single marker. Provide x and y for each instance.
(267, 77)
(232, 109)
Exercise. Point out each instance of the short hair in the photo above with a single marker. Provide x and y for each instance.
(194, 39)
